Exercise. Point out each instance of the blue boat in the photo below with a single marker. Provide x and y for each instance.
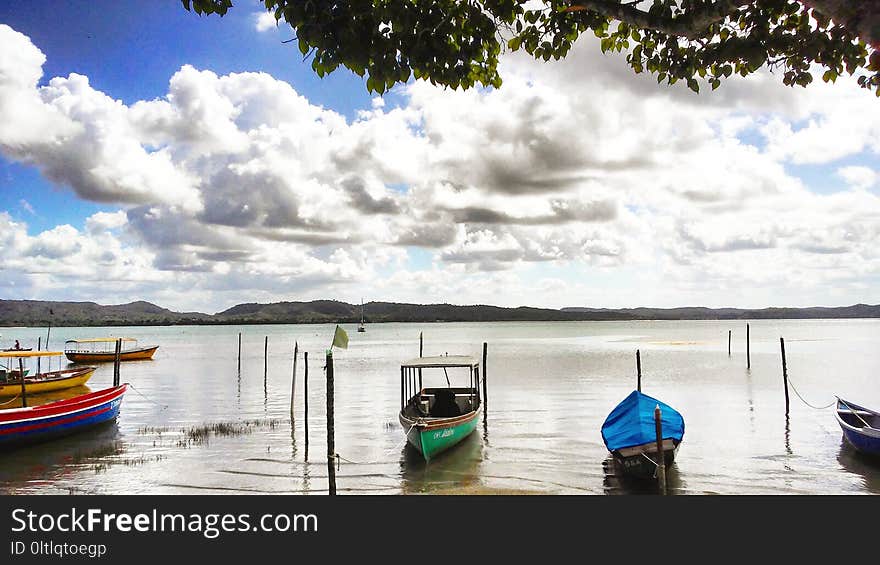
(861, 426)
(630, 435)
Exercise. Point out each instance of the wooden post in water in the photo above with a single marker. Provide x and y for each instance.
(39, 348)
(331, 440)
(748, 349)
(265, 358)
(239, 352)
(639, 371)
(421, 354)
(729, 337)
(48, 331)
(661, 456)
(117, 359)
(485, 392)
(21, 376)
(293, 378)
(306, 398)
(784, 373)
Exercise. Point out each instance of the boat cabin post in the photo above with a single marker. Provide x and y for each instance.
(413, 389)
(7, 371)
(434, 418)
(23, 388)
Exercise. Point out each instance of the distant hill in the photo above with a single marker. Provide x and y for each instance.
(700, 313)
(322, 311)
(41, 313)
(140, 313)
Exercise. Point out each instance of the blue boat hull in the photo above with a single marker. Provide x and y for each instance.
(865, 444)
(860, 426)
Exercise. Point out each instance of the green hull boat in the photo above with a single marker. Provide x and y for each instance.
(433, 436)
(436, 419)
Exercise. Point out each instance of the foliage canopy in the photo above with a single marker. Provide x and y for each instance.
(457, 43)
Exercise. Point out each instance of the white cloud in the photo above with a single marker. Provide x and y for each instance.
(264, 21)
(858, 177)
(26, 206)
(238, 185)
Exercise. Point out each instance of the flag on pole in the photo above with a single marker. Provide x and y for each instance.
(340, 339)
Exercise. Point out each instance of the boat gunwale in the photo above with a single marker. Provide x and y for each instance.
(437, 423)
(62, 407)
(867, 430)
(112, 353)
(75, 373)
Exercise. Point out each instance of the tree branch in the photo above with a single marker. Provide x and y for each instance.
(690, 24)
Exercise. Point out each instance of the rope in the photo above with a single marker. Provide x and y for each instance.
(164, 406)
(10, 401)
(341, 458)
(833, 402)
(854, 413)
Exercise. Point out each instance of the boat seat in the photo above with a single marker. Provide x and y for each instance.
(444, 404)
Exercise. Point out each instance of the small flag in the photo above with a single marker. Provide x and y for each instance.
(340, 339)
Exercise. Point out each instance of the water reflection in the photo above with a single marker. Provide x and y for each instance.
(860, 464)
(615, 482)
(44, 464)
(455, 471)
(552, 387)
(788, 435)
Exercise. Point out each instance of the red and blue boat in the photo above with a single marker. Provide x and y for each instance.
(35, 424)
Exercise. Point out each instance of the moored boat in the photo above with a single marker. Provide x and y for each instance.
(35, 424)
(437, 418)
(860, 426)
(102, 350)
(629, 433)
(46, 382)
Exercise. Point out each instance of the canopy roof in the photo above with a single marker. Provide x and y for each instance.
(100, 340)
(631, 422)
(439, 361)
(30, 353)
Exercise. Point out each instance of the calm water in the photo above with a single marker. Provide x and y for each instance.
(550, 387)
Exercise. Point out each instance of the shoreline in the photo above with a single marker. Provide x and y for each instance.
(368, 323)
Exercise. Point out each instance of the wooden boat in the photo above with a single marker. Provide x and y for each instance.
(46, 382)
(630, 435)
(26, 426)
(7, 373)
(435, 419)
(861, 426)
(103, 350)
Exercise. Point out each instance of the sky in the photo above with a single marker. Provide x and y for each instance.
(147, 153)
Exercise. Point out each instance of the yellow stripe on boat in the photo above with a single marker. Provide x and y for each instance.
(30, 353)
(100, 340)
(34, 385)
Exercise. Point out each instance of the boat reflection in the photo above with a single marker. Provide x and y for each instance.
(39, 466)
(860, 464)
(456, 471)
(615, 482)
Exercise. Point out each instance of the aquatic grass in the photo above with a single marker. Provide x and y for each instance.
(199, 435)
